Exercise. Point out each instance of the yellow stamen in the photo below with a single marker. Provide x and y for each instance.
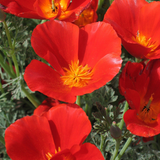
(59, 149)
(77, 75)
(49, 156)
(144, 41)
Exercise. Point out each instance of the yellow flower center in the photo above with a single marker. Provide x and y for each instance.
(146, 42)
(49, 155)
(66, 156)
(77, 75)
(49, 9)
(148, 113)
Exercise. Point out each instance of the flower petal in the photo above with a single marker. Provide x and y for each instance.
(24, 10)
(99, 40)
(138, 127)
(70, 125)
(123, 15)
(104, 71)
(40, 77)
(29, 138)
(74, 10)
(58, 38)
(88, 151)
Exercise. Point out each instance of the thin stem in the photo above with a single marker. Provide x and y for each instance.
(31, 98)
(100, 3)
(86, 108)
(78, 100)
(1, 88)
(124, 148)
(12, 49)
(6, 67)
(102, 144)
(8, 34)
(122, 121)
(15, 64)
(2, 140)
(10, 65)
(116, 149)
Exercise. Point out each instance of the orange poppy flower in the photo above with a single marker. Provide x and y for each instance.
(88, 16)
(137, 23)
(46, 9)
(82, 60)
(140, 84)
(57, 135)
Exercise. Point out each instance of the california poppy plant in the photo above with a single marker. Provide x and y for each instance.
(46, 9)
(56, 136)
(140, 84)
(89, 15)
(82, 60)
(137, 23)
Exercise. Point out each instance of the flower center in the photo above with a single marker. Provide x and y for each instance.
(54, 6)
(49, 9)
(146, 42)
(77, 75)
(49, 155)
(148, 113)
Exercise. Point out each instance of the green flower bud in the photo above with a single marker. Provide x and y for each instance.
(115, 131)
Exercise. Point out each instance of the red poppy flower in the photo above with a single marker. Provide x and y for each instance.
(56, 136)
(140, 84)
(88, 16)
(137, 23)
(82, 60)
(46, 9)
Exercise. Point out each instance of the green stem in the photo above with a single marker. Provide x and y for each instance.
(100, 3)
(86, 108)
(122, 121)
(124, 148)
(10, 65)
(8, 34)
(78, 100)
(116, 149)
(102, 144)
(15, 64)
(12, 49)
(1, 88)
(6, 67)
(2, 140)
(31, 98)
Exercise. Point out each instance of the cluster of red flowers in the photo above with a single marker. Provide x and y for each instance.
(137, 24)
(77, 59)
(54, 132)
(81, 60)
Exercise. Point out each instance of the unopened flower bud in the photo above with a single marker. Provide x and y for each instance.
(2, 15)
(115, 131)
